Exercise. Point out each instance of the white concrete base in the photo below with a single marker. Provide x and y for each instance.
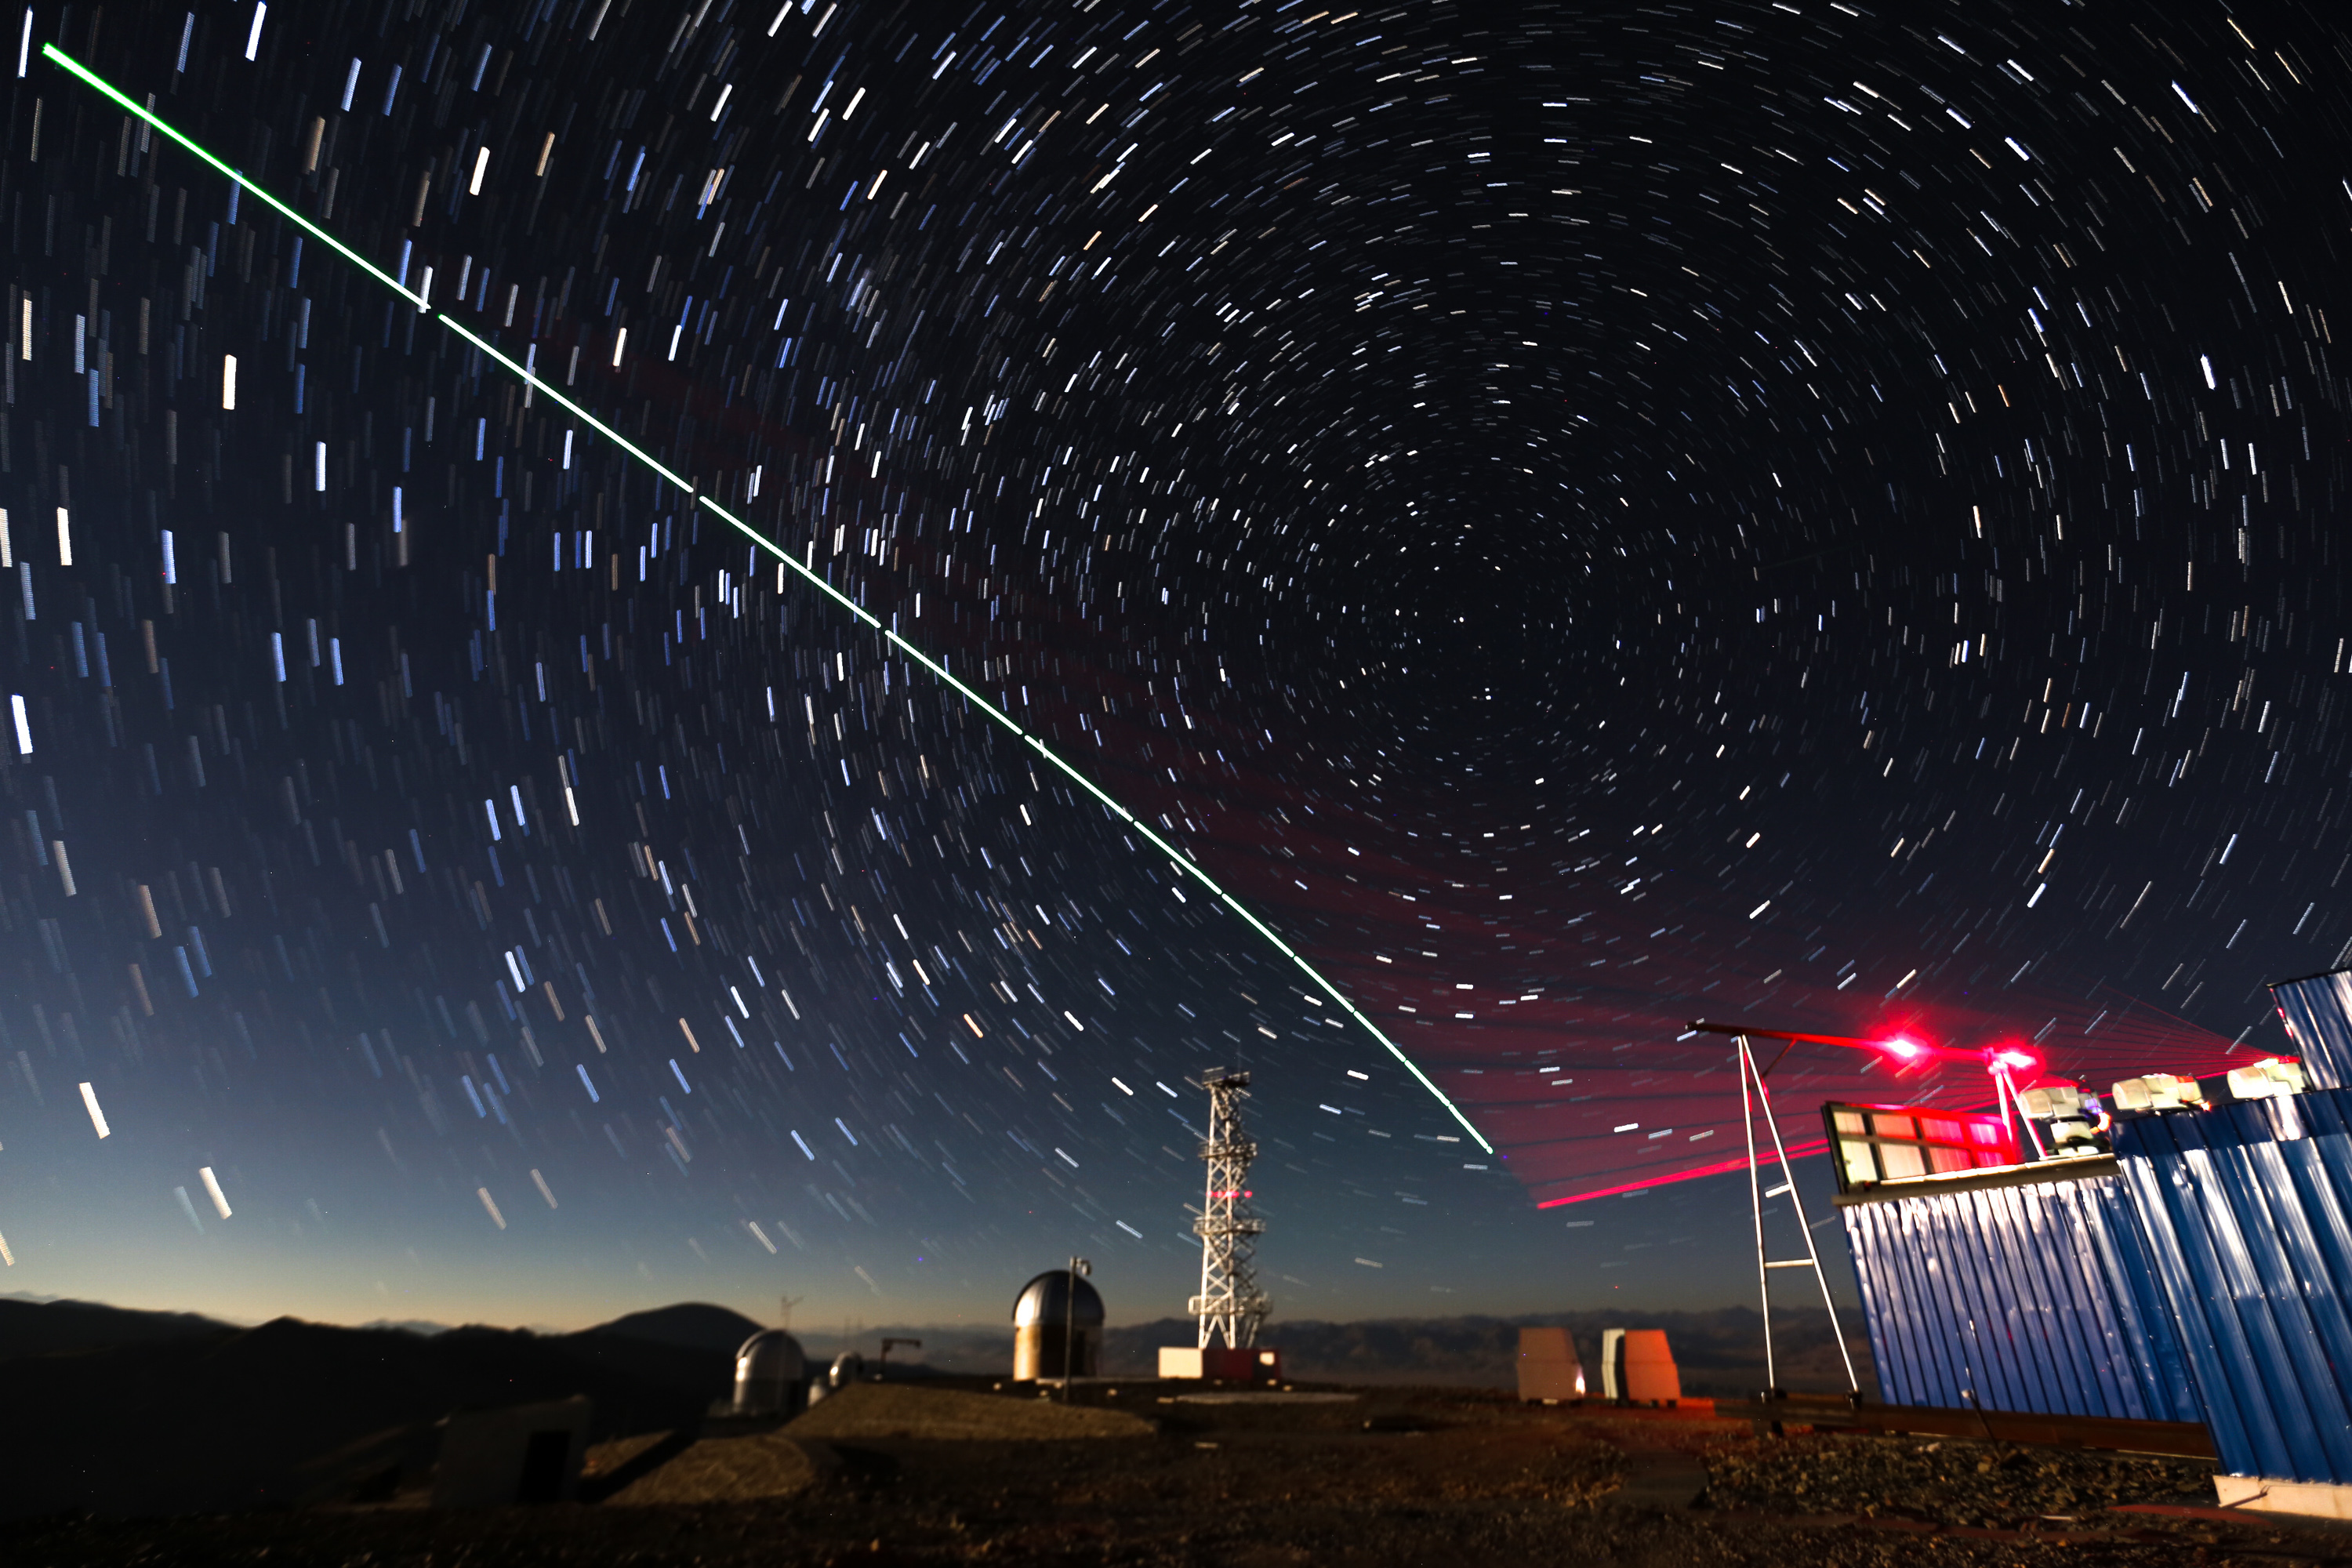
(1222, 1363)
(2264, 1494)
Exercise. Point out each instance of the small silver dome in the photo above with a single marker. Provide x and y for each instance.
(770, 1353)
(1046, 1302)
(770, 1371)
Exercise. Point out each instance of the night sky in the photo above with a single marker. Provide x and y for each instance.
(1577, 521)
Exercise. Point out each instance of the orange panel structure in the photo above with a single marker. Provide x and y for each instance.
(1548, 1369)
(1637, 1367)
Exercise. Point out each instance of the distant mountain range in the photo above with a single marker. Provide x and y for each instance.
(57, 1323)
(407, 1326)
(1720, 1353)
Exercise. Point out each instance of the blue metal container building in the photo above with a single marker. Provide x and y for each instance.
(2201, 1272)
(2027, 1289)
(2318, 1011)
(2247, 1209)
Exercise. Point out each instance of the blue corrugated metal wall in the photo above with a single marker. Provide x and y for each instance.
(2318, 1014)
(2208, 1277)
(2034, 1298)
(2247, 1212)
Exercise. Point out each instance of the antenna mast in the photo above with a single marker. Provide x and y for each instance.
(1230, 1302)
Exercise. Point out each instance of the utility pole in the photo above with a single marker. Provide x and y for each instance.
(1230, 1303)
(1079, 1269)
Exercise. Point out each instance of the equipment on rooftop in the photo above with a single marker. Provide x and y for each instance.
(2267, 1078)
(2157, 1091)
(2075, 1122)
(1877, 1143)
(2199, 1272)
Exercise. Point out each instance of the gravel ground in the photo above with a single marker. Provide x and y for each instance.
(910, 1410)
(1949, 1481)
(1398, 1478)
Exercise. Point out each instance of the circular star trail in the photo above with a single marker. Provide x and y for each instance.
(1583, 521)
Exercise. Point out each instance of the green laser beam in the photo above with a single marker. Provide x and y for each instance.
(530, 378)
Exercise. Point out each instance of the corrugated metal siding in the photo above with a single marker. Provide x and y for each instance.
(2208, 1276)
(2031, 1297)
(2248, 1211)
(2318, 1014)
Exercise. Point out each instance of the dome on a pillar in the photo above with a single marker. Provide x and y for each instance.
(1047, 1300)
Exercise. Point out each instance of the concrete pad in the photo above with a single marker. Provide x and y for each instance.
(2265, 1494)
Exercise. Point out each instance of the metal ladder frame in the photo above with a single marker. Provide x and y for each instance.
(1753, 1095)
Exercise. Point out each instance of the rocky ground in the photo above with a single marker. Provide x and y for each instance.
(1946, 1481)
(1391, 1476)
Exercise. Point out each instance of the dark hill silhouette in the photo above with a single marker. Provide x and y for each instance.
(40, 1328)
(693, 1325)
(232, 1419)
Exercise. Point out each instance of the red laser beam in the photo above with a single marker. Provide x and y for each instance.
(1796, 1151)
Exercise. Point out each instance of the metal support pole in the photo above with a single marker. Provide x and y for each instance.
(1079, 1268)
(1763, 1099)
(1813, 1253)
(1755, 1205)
(2005, 1098)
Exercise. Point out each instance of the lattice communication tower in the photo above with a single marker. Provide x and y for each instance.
(1230, 1303)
